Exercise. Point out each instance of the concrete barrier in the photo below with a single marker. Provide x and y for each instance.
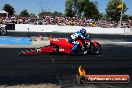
(128, 30)
(69, 29)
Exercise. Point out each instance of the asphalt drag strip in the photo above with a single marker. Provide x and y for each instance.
(62, 69)
(115, 58)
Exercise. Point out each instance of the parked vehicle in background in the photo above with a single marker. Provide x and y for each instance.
(3, 30)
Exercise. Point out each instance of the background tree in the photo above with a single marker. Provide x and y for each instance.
(8, 8)
(125, 17)
(69, 8)
(130, 17)
(24, 13)
(91, 11)
(103, 16)
(81, 8)
(32, 15)
(114, 8)
(56, 13)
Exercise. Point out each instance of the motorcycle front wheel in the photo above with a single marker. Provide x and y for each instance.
(95, 49)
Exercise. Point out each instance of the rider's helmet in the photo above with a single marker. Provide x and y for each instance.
(83, 31)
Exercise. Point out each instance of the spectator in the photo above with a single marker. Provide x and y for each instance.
(45, 20)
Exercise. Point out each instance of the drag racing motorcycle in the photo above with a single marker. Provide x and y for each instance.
(61, 45)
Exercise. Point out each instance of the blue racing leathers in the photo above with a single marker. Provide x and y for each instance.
(74, 37)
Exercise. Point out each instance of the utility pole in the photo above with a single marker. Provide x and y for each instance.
(121, 13)
(41, 6)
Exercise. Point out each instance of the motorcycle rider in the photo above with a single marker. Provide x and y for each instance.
(76, 36)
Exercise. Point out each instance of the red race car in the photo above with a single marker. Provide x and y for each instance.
(61, 45)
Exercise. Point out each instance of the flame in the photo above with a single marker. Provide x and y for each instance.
(81, 71)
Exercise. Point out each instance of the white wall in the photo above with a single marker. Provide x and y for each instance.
(69, 29)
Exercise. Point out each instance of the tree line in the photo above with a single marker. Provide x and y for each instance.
(82, 9)
(24, 13)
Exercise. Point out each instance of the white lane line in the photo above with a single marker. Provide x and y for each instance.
(124, 42)
(115, 43)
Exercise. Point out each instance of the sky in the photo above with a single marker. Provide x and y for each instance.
(35, 6)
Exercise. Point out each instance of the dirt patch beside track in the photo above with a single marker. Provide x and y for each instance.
(36, 43)
(32, 86)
